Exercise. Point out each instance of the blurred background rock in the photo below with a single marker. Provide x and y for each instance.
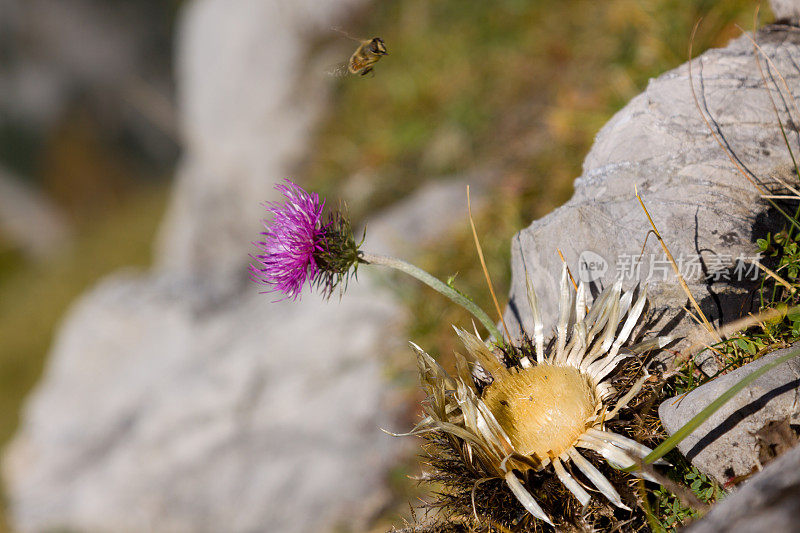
(91, 129)
(87, 149)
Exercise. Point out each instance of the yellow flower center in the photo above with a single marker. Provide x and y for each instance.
(543, 409)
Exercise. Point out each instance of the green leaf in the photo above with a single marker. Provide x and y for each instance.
(746, 345)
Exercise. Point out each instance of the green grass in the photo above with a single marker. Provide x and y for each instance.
(668, 513)
(515, 84)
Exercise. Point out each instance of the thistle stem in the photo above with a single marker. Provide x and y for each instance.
(436, 285)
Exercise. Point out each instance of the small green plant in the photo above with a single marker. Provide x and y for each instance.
(669, 513)
(782, 245)
(782, 251)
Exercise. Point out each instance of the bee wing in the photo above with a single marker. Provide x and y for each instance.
(338, 71)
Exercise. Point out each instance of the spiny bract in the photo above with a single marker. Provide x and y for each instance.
(537, 415)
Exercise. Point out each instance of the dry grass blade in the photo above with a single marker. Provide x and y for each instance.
(774, 276)
(483, 265)
(574, 285)
(679, 361)
(472, 497)
(743, 323)
(698, 339)
(500, 527)
(788, 188)
(671, 259)
(644, 244)
(654, 524)
(778, 197)
(693, 316)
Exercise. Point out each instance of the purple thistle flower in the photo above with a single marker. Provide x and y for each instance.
(292, 241)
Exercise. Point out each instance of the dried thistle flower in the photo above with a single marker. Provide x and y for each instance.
(535, 415)
(299, 246)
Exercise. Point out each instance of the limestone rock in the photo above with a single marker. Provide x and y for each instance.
(727, 444)
(707, 212)
(53, 51)
(768, 502)
(786, 10)
(156, 414)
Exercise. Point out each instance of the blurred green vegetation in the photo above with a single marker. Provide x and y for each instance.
(517, 85)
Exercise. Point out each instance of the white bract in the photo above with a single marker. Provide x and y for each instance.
(541, 413)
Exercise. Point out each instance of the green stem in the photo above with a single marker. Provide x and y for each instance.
(667, 446)
(436, 285)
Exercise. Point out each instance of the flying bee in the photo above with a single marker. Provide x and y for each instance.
(366, 55)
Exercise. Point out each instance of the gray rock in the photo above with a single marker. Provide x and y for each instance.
(704, 208)
(155, 414)
(768, 502)
(727, 444)
(420, 221)
(786, 10)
